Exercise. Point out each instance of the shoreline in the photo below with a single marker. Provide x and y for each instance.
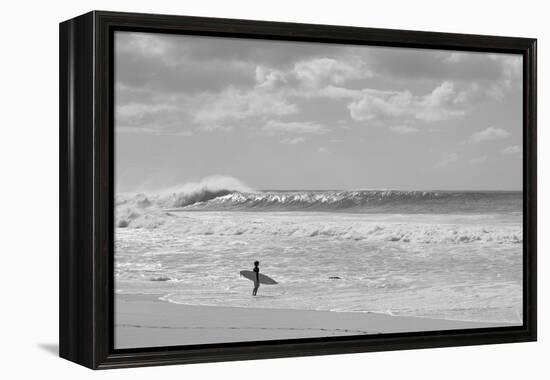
(146, 321)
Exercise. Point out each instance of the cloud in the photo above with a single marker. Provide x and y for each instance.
(157, 117)
(439, 65)
(137, 110)
(444, 162)
(269, 78)
(142, 43)
(293, 141)
(510, 75)
(329, 92)
(315, 77)
(168, 84)
(479, 160)
(170, 64)
(438, 105)
(322, 149)
(134, 113)
(468, 94)
(374, 105)
(222, 111)
(235, 104)
(276, 90)
(454, 57)
(510, 150)
(308, 127)
(322, 71)
(489, 134)
(403, 129)
(498, 75)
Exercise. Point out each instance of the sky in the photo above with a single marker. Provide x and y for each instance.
(287, 115)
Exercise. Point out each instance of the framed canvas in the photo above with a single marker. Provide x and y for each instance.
(235, 189)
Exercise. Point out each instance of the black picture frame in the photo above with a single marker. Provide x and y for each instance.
(87, 189)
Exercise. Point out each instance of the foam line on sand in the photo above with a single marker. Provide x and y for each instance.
(145, 321)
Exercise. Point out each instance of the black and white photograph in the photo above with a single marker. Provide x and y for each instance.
(269, 190)
(276, 190)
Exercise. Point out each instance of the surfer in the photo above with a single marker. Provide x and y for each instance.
(257, 278)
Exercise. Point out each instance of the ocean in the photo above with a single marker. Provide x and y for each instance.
(442, 254)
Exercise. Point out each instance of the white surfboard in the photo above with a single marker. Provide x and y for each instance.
(266, 280)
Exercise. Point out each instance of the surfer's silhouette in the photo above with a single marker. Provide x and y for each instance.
(257, 279)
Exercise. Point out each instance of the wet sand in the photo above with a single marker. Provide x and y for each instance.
(145, 321)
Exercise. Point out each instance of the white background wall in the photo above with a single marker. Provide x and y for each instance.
(29, 190)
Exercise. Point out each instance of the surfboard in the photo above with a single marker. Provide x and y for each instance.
(266, 280)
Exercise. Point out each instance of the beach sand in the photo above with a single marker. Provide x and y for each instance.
(146, 321)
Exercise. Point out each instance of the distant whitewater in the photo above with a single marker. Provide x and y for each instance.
(444, 254)
(368, 201)
(357, 201)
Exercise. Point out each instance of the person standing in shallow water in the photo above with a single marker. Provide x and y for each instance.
(257, 278)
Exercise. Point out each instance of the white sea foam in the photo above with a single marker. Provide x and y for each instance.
(344, 227)
(447, 266)
(455, 255)
(228, 194)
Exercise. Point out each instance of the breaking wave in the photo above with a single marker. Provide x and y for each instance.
(371, 201)
(219, 193)
(144, 210)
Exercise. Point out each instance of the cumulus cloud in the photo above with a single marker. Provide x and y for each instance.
(458, 66)
(323, 71)
(438, 105)
(171, 64)
(134, 113)
(315, 77)
(269, 78)
(276, 91)
(156, 117)
(489, 134)
(373, 105)
(510, 150)
(174, 84)
(510, 75)
(308, 127)
(143, 44)
(293, 140)
(444, 162)
(236, 104)
(221, 111)
(403, 129)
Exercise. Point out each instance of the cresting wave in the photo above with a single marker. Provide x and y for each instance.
(226, 194)
(439, 254)
(130, 207)
(370, 201)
